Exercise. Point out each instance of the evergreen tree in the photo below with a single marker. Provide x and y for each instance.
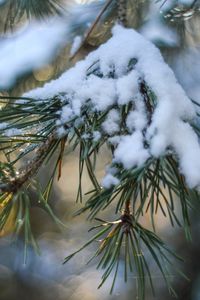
(123, 96)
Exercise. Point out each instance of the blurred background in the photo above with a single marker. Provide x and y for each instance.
(44, 276)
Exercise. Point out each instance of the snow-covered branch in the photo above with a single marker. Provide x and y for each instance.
(112, 76)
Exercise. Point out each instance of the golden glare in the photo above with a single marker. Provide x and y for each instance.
(44, 74)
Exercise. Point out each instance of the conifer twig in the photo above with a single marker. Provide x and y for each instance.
(30, 168)
(92, 27)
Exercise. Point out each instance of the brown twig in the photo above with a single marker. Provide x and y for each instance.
(30, 168)
(92, 28)
(126, 217)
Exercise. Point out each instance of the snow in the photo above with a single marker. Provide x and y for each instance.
(29, 49)
(3, 125)
(186, 145)
(75, 45)
(12, 132)
(96, 136)
(101, 91)
(157, 32)
(186, 2)
(36, 43)
(66, 114)
(127, 87)
(111, 124)
(109, 181)
(9, 132)
(187, 68)
(137, 118)
(104, 81)
(130, 151)
(61, 131)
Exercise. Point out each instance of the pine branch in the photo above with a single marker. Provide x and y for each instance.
(183, 11)
(30, 169)
(127, 231)
(92, 27)
(149, 184)
(17, 183)
(31, 9)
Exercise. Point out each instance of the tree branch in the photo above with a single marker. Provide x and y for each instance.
(30, 169)
(92, 28)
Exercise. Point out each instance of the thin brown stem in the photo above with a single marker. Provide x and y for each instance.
(30, 169)
(127, 207)
(92, 27)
